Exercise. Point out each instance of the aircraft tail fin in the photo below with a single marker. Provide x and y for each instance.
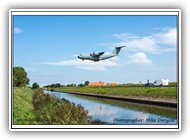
(117, 50)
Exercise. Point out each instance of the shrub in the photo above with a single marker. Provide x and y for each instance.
(49, 110)
(41, 100)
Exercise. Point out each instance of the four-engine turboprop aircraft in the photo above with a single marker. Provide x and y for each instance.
(101, 55)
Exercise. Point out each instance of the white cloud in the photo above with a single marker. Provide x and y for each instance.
(140, 58)
(17, 30)
(145, 44)
(161, 42)
(168, 37)
(87, 64)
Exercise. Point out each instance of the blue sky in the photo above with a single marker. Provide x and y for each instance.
(47, 47)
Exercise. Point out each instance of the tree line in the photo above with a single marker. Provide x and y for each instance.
(58, 85)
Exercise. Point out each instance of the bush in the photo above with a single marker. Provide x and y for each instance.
(40, 100)
(49, 110)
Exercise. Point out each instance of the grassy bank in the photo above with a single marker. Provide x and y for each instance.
(36, 107)
(22, 106)
(156, 92)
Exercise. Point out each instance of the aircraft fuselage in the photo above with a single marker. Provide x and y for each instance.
(101, 55)
(95, 58)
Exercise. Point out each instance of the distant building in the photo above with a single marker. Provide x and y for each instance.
(158, 83)
(96, 83)
(112, 84)
(162, 82)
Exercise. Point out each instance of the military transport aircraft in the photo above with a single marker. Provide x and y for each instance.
(101, 55)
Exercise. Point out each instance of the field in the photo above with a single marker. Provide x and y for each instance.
(155, 92)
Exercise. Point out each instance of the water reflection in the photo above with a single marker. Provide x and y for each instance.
(119, 112)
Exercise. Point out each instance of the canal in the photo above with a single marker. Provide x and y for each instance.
(121, 112)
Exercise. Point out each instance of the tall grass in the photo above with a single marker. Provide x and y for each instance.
(22, 106)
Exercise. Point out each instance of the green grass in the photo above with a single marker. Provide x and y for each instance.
(157, 92)
(22, 106)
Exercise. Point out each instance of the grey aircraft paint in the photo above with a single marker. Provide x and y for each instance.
(101, 55)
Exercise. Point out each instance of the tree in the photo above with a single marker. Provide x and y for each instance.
(80, 85)
(20, 78)
(71, 85)
(58, 85)
(86, 83)
(35, 86)
(52, 85)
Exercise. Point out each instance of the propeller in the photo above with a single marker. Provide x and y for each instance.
(93, 53)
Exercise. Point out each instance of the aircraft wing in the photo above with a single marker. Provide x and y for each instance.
(97, 54)
(100, 53)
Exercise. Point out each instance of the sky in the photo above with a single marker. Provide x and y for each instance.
(47, 48)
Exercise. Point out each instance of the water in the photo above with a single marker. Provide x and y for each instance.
(120, 112)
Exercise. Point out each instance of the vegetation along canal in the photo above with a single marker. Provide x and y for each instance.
(120, 112)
